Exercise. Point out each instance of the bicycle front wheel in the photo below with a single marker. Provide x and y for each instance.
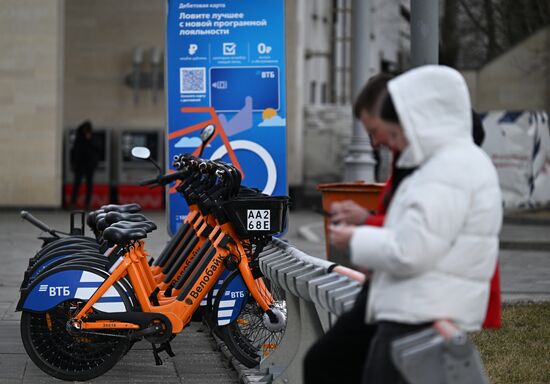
(249, 337)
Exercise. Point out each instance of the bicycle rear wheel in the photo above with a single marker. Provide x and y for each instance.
(249, 338)
(63, 355)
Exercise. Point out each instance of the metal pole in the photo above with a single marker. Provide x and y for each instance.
(359, 162)
(424, 32)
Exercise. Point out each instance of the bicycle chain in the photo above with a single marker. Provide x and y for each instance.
(104, 334)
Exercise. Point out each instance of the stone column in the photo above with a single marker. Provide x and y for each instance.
(31, 99)
(359, 162)
(424, 32)
(295, 21)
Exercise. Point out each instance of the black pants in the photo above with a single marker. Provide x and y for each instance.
(89, 176)
(355, 352)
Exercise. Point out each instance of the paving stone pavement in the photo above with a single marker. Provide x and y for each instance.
(196, 362)
(525, 272)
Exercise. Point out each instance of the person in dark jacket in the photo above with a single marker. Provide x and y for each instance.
(477, 129)
(84, 158)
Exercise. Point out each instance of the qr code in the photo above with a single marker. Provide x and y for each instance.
(193, 80)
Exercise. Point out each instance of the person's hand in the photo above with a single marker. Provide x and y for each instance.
(348, 212)
(340, 235)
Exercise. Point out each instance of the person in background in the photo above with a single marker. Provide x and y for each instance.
(84, 159)
(435, 255)
(493, 318)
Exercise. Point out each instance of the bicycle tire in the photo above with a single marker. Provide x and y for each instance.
(64, 356)
(248, 339)
(71, 248)
(65, 243)
(68, 241)
(40, 264)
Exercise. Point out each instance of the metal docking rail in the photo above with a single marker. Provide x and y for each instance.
(315, 298)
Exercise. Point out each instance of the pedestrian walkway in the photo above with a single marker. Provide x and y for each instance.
(525, 272)
(197, 360)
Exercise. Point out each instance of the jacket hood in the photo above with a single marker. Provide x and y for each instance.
(434, 109)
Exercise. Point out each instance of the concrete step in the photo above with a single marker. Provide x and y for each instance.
(525, 237)
(531, 217)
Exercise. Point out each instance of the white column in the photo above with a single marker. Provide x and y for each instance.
(295, 14)
(359, 162)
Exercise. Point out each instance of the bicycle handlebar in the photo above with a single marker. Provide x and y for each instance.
(148, 182)
(164, 179)
(34, 221)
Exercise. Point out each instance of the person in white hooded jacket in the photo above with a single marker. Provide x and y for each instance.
(436, 253)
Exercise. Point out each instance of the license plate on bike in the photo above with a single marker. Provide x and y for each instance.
(258, 220)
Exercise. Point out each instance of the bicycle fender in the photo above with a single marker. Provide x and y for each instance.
(230, 299)
(39, 266)
(72, 282)
(42, 264)
(30, 275)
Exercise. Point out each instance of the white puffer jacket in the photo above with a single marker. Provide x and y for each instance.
(437, 251)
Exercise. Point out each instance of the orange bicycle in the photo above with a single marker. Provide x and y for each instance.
(80, 317)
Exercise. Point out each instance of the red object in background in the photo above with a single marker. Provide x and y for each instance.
(100, 196)
(148, 198)
(493, 318)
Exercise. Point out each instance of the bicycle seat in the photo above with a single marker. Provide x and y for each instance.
(100, 222)
(91, 220)
(131, 208)
(114, 217)
(148, 226)
(121, 236)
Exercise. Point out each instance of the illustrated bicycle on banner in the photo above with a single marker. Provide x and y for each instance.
(213, 127)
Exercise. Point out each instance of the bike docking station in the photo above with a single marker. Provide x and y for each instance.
(317, 292)
(85, 301)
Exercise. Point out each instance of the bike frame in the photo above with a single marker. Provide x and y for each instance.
(203, 279)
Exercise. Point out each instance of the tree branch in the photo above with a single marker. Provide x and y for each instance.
(472, 17)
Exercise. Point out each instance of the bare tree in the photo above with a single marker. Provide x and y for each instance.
(493, 48)
(490, 27)
(450, 44)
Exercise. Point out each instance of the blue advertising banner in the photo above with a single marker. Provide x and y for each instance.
(225, 65)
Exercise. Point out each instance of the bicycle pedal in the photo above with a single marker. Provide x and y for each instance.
(145, 332)
(168, 349)
(164, 347)
(158, 360)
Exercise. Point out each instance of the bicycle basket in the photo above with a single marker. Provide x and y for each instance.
(260, 215)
